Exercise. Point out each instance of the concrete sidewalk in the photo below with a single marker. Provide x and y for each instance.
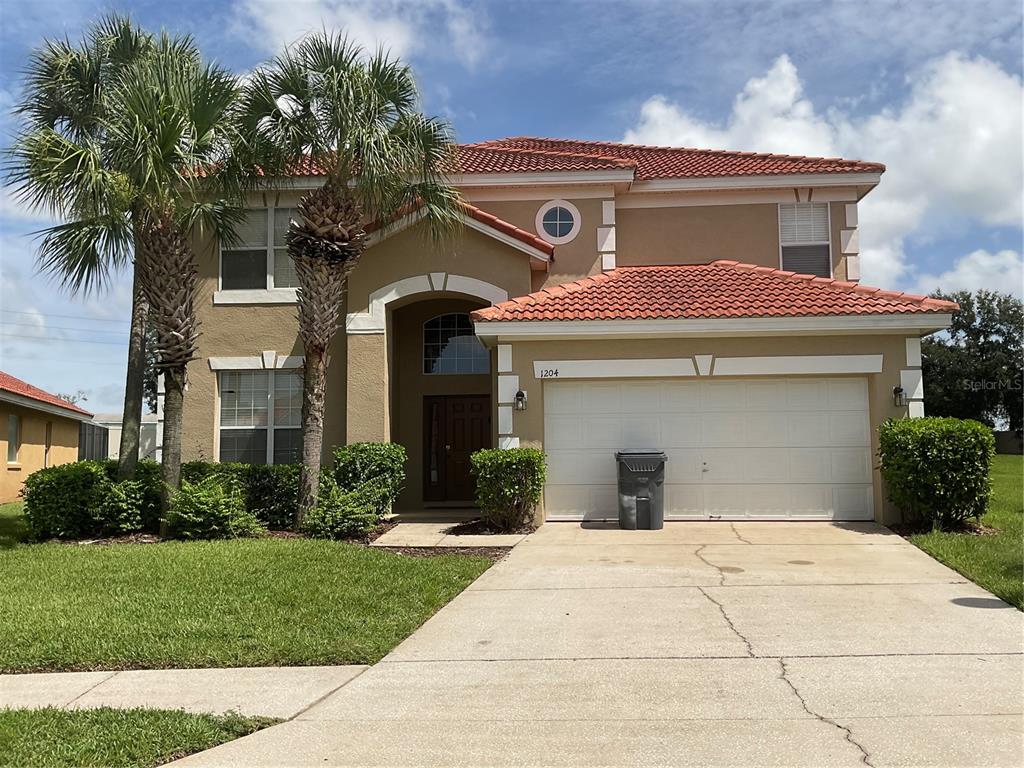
(281, 692)
(713, 644)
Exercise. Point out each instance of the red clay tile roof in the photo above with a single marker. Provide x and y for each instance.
(680, 162)
(509, 229)
(16, 386)
(527, 154)
(722, 289)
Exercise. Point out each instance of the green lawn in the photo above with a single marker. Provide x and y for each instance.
(993, 562)
(113, 738)
(215, 604)
(12, 524)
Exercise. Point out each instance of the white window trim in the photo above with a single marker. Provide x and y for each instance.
(269, 426)
(576, 227)
(270, 294)
(828, 213)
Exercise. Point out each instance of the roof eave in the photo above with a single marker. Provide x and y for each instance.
(911, 323)
(39, 405)
(861, 179)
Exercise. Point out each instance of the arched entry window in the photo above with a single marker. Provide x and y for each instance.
(450, 347)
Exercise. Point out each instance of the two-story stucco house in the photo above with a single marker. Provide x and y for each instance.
(600, 296)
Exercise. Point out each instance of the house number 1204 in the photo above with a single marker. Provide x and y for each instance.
(549, 373)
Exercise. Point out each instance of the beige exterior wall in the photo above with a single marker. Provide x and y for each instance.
(63, 446)
(573, 260)
(528, 425)
(698, 234)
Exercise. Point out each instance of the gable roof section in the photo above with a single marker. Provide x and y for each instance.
(722, 289)
(480, 220)
(22, 390)
(676, 162)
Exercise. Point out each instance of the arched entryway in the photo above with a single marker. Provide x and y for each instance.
(441, 387)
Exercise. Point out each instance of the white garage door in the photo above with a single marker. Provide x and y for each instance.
(760, 448)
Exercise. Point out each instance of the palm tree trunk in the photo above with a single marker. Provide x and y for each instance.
(131, 419)
(174, 397)
(314, 385)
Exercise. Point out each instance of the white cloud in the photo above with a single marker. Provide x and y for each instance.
(406, 27)
(1002, 271)
(953, 148)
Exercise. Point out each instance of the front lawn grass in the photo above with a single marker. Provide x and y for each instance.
(237, 603)
(994, 562)
(113, 738)
(13, 527)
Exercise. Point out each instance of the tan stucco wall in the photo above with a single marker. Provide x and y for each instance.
(698, 234)
(409, 385)
(63, 446)
(573, 260)
(528, 425)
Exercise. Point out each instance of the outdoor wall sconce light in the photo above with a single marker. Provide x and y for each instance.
(520, 400)
(899, 397)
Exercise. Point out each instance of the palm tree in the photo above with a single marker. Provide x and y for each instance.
(160, 163)
(65, 105)
(356, 118)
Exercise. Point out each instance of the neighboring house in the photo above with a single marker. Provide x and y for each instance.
(147, 434)
(37, 430)
(600, 296)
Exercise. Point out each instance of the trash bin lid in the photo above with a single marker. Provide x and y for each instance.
(641, 453)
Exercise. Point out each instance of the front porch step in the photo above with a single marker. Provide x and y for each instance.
(435, 515)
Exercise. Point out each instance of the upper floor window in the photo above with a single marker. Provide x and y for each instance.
(259, 259)
(261, 416)
(450, 346)
(804, 236)
(558, 221)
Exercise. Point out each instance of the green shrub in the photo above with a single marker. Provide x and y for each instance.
(212, 508)
(61, 501)
(358, 463)
(121, 508)
(509, 484)
(344, 514)
(271, 490)
(937, 470)
(148, 474)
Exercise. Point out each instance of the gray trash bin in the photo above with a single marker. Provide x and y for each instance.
(641, 489)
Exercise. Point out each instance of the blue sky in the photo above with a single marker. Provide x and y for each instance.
(932, 88)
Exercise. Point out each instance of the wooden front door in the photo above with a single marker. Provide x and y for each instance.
(454, 427)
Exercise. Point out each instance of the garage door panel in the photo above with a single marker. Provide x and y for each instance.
(848, 428)
(564, 432)
(683, 501)
(850, 465)
(847, 395)
(680, 430)
(778, 448)
(683, 466)
(601, 432)
(680, 397)
(601, 398)
(766, 395)
(641, 432)
(806, 394)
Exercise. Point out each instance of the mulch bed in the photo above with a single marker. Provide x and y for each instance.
(969, 528)
(480, 528)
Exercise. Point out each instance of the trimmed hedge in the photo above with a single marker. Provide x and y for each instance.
(212, 508)
(359, 463)
(509, 483)
(937, 469)
(84, 499)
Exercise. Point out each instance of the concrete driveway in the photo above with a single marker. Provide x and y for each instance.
(746, 644)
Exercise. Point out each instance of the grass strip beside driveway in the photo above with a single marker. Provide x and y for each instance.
(235, 603)
(994, 562)
(114, 738)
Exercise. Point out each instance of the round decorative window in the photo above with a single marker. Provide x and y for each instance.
(558, 221)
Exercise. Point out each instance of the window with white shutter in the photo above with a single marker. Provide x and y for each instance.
(804, 235)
